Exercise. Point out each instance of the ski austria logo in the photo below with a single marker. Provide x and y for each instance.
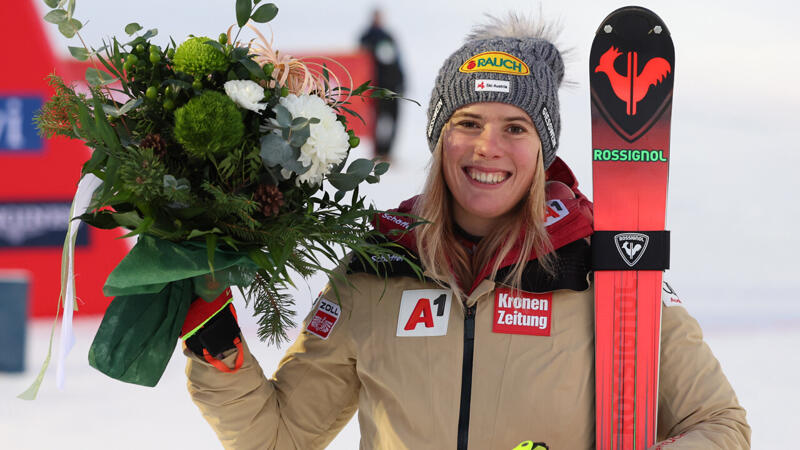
(497, 62)
(324, 318)
(424, 312)
(492, 86)
(631, 246)
(633, 87)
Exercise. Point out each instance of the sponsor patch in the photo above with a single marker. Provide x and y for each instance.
(548, 122)
(324, 318)
(435, 115)
(497, 62)
(520, 312)
(554, 211)
(668, 295)
(631, 246)
(424, 312)
(492, 86)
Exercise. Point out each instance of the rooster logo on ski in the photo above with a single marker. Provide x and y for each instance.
(631, 246)
(633, 87)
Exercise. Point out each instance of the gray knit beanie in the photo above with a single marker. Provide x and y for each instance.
(508, 61)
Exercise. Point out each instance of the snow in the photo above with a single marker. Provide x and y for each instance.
(733, 169)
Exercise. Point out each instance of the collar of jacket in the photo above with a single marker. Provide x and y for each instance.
(572, 222)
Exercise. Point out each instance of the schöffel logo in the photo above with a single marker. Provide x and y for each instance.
(36, 225)
(17, 129)
(497, 62)
(631, 246)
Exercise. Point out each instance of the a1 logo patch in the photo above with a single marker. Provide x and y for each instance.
(324, 318)
(424, 312)
(520, 312)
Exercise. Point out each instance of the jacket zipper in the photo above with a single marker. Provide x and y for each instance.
(466, 377)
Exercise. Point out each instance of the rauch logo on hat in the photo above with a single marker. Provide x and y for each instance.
(498, 62)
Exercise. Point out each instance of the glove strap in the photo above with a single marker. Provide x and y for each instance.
(220, 365)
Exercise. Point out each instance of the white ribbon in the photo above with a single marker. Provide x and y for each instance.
(83, 196)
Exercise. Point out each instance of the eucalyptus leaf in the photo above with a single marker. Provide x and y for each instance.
(132, 28)
(69, 27)
(381, 168)
(283, 116)
(56, 16)
(361, 168)
(51, 3)
(299, 137)
(344, 181)
(150, 33)
(372, 179)
(79, 53)
(338, 196)
(243, 9)
(274, 150)
(265, 13)
(98, 78)
(299, 123)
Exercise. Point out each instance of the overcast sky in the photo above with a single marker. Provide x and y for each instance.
(734, 131)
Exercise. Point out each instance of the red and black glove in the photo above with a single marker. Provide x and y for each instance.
(211, 329)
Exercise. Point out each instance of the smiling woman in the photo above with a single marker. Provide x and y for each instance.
(494, 346)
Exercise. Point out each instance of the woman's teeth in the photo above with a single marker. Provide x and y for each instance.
(487, 178)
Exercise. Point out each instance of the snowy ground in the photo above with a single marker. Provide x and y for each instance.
(733, 168)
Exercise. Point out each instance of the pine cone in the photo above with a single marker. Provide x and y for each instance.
(270, 198)
(155, 142)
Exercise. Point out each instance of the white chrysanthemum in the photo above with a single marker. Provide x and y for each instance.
(328, 143)
(246, 94)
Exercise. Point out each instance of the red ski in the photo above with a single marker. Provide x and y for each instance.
(632, 64)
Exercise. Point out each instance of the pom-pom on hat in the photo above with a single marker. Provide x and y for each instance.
(510, 61)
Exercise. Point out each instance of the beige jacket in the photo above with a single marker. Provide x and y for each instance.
(407, 387)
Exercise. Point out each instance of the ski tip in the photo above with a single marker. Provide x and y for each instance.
(633, 21)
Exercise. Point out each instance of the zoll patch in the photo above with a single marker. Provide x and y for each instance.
(324, 318)
(497, 62)
(424, 312)
(520, 312)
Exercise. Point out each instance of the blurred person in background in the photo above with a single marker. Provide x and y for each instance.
(389, 75)
(495, 344)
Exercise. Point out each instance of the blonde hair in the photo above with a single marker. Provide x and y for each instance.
(446, 259)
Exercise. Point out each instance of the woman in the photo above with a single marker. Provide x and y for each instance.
(495, 345)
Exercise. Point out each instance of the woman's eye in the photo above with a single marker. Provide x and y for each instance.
(516, 129)
(468, 124)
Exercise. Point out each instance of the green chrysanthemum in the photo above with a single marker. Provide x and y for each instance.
(196, 58)
(208, 124)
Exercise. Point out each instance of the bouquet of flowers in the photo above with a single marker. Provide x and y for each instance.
(213, 152)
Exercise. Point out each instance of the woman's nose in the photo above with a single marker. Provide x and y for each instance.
(488, 143)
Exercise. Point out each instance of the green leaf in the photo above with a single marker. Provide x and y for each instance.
(372, 179)
(131, 104)
(252, 67)
(71, 8)
(211, 249)
(103, 220)
(132, 27)
(145, 225)
(79, 53)
(274, 150)
(360, 168)
(344, 181)
(381, 168)
(262, 260)
(51, 3)
(197, 233)
(265, 13)
(56, 16)
(69, 27)
(338, 196)
(98, 78)
(216, 45)
(243, 9)
(283, 116)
